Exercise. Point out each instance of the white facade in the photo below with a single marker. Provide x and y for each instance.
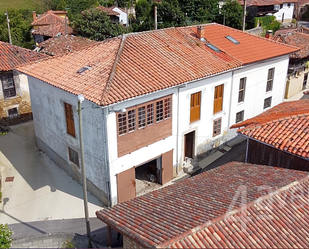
(123, 16)
(100, 124)
(285, 14)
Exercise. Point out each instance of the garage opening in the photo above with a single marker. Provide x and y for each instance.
(148, 176)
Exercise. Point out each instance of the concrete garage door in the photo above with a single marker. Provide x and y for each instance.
(126, 185)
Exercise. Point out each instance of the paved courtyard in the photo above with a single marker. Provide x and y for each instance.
(33, 187)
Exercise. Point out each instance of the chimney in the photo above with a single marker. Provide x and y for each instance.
(200, 32)
(34, 15)
(268, 34)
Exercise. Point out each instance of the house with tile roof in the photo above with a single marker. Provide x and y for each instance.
(236, 205)
(14, 91)
(297, 77)
(282, 9)
(279, 136)
(50, 24)
(63, 44)
(154, 101)
(302, 8)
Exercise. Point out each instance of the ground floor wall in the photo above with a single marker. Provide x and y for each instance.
(72, 171)
(23, 107)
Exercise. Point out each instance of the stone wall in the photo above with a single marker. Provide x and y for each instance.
(128, 243)
(23, 106)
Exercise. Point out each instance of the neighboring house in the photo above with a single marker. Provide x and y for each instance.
(302, 8)
(279, 136)
(236, 205)
(281, 9)
(153, 100)
(297, 79)
(63, 44)
(113, 15)
(123, 15)
(50, 24)
(14, 91)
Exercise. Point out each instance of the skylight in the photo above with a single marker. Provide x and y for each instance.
(230, 38)
(213, 47)
(83, 69)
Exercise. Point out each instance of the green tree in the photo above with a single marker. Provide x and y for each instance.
(170, 14)
(96, 25)
(20, 24)
(5, 236)
(231, 14)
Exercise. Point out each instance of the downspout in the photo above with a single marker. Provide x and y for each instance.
(177, 132)
(229, 117)
(106, 156)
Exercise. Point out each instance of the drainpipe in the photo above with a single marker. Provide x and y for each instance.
(229, 115)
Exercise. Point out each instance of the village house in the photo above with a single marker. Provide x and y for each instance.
(236, 205)
(301, 9)
(297, 77)
(282, 9)
(279, 136)
(154, 101)
(50, 24)
(14, 91)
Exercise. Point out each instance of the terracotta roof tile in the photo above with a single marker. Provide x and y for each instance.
(108, 11)
(141, 63)
(48, 18)
(12, 56)
(64, 44)
(209, 196)
(284, 126)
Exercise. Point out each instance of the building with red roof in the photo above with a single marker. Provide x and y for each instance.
(154, 101)
(279, 136)
(236, 205)
(50, 24)
(297, 79)
(14, 91)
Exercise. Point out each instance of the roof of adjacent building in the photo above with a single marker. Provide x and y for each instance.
(208, 210)
(109, 11)
(141, 63)
(285, 127)
(12, 56)
(295, 37)
(64, 44)
(50, 24)
(265, 2)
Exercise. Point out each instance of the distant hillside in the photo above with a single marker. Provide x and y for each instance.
(16, 4)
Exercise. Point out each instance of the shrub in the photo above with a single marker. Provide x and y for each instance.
(5, 236)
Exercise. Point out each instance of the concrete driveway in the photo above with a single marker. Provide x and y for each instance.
(33, 187)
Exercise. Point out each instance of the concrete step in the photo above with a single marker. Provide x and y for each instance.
(191, 166)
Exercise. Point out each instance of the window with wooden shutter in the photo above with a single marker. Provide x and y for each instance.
(270, 79)
(69, 119)
(242, 87)
(195, 107)
(218, 98)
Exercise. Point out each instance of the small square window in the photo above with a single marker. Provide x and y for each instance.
(13, 113)
(239, 116)
(73, 156)
(267, 102)
(217, 127)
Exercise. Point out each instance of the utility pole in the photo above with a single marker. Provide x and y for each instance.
(244, 17)
(8, 21)
(155, 18)
(224, 17)
(80, 100)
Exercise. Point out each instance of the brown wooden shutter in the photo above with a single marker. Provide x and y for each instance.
(167, 167)
(69, 119)
(195, 107)
(126, 185)
(218, 99)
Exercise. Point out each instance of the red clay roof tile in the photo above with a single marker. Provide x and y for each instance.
(142, 63)
(141, 218)
(12, 56)
(287, 131)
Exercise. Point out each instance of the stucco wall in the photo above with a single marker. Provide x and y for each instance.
(52, 137)
(287, 13)
(22, 99)
(294, 84)
(255, 92)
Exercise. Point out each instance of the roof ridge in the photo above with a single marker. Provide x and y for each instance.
(233, 212)
(113, 70)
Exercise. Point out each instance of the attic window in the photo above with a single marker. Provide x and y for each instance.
(213, 47)
(83, 69)
(230, 38)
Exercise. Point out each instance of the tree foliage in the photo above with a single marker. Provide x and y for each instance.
(5, 236)
(231, 14)
(20, 25)
(96, 25)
